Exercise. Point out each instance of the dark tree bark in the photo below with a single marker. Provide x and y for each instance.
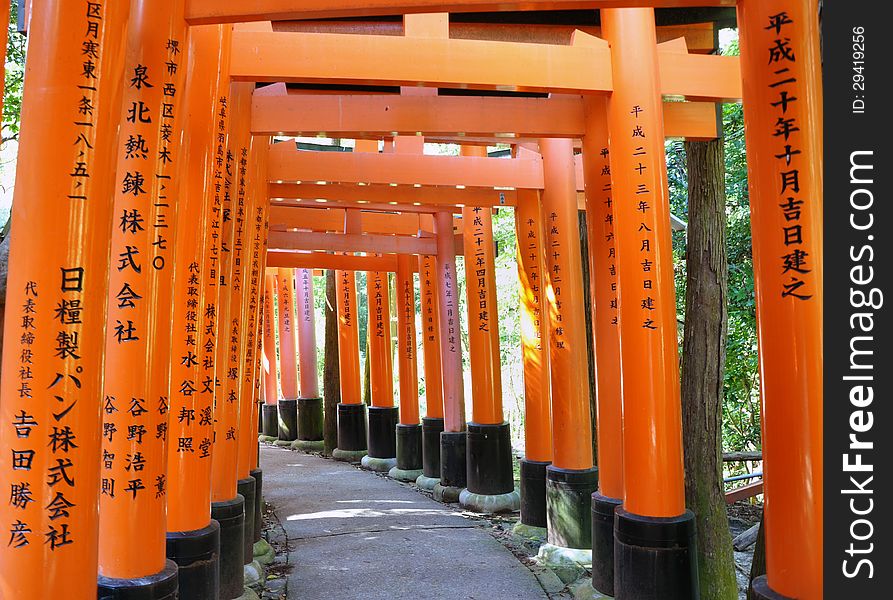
(331, 383)
(703, 362)
(758, 566)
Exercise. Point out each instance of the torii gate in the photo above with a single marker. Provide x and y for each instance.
(782, 95)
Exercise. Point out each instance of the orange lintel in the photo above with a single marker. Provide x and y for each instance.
(360, 116)
(214, 11)
(284, 218)
(698, 36)
(407, 169)
(389, 60)
(320, 260)
(387, 197)
(351, 242)
(418, 208)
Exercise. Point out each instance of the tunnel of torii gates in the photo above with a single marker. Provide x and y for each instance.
(149, 186)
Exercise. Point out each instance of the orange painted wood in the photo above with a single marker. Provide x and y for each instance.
(214, 11)
(406, 169)
(652, 415)
(500, 119)
(603, 282)
(270, 363)
(381, 362)
(534, 328)
(283, 218)
(405, 198)
(51, 384)
(571, 432)
(784, 141)
(450, 334)
(351, 242)
(322, 260)
(348, 338)
(407, 360)
(136, 389)
(288, 355)
(430, 334)
(192, 470)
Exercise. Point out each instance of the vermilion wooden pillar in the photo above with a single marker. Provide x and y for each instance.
(491, 485)
(653, 508)
(432, 422)
(382, 414)
(606, 334)
(270, 410)
(780, 64)
(136, 403)
(288, 359)
(452, 440)
(193, 539)
(535, 359)
(310, 404)
(571, 478)
(409, 431)
(51, 384)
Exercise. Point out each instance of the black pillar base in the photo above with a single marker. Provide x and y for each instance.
(287, 426)
(246, 488)
(231, 516)
(655, 558)
(431, 430)
(409, 447)
(603, 542)
(270, 418)
(488, 453)
(761, 590)
(258, 516)
(533, 492)
(453, 465)
(382, 440)
(197, 554)
(351, 427)
(160, 586)
(568, 506)
(310, 419)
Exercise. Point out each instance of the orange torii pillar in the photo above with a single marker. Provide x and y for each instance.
(432, 422)
(453, 467)
(490, 478)
(351, 410)
(606, 333)
(409, 431)
(780, 63)
(51, 384)
(225, 462)
(252, 339)
(535, 360)
(571, 478)
(654, 535)
(193, 538)
(132, 511)
(383, 415)
(288, 360)
(270, 410)
(310, 405)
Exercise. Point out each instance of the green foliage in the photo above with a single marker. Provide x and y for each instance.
(15, 76)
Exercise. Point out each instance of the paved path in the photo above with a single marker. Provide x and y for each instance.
(355, 535)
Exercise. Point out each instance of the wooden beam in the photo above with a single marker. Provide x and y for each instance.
(419, 209)
(465, 64)
(215, 11)
(386, 197)
(351, 242)
(744, 492)
(374, 116)
(405, 169)
(321, 260)
(284, 218)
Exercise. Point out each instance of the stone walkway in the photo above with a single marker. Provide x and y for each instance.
(352, 534)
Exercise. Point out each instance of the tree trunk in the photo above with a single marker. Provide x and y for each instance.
(758, 566)
(590, 346)
(703, 361)
(331, 384)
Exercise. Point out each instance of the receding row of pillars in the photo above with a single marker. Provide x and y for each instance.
(150, 210)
